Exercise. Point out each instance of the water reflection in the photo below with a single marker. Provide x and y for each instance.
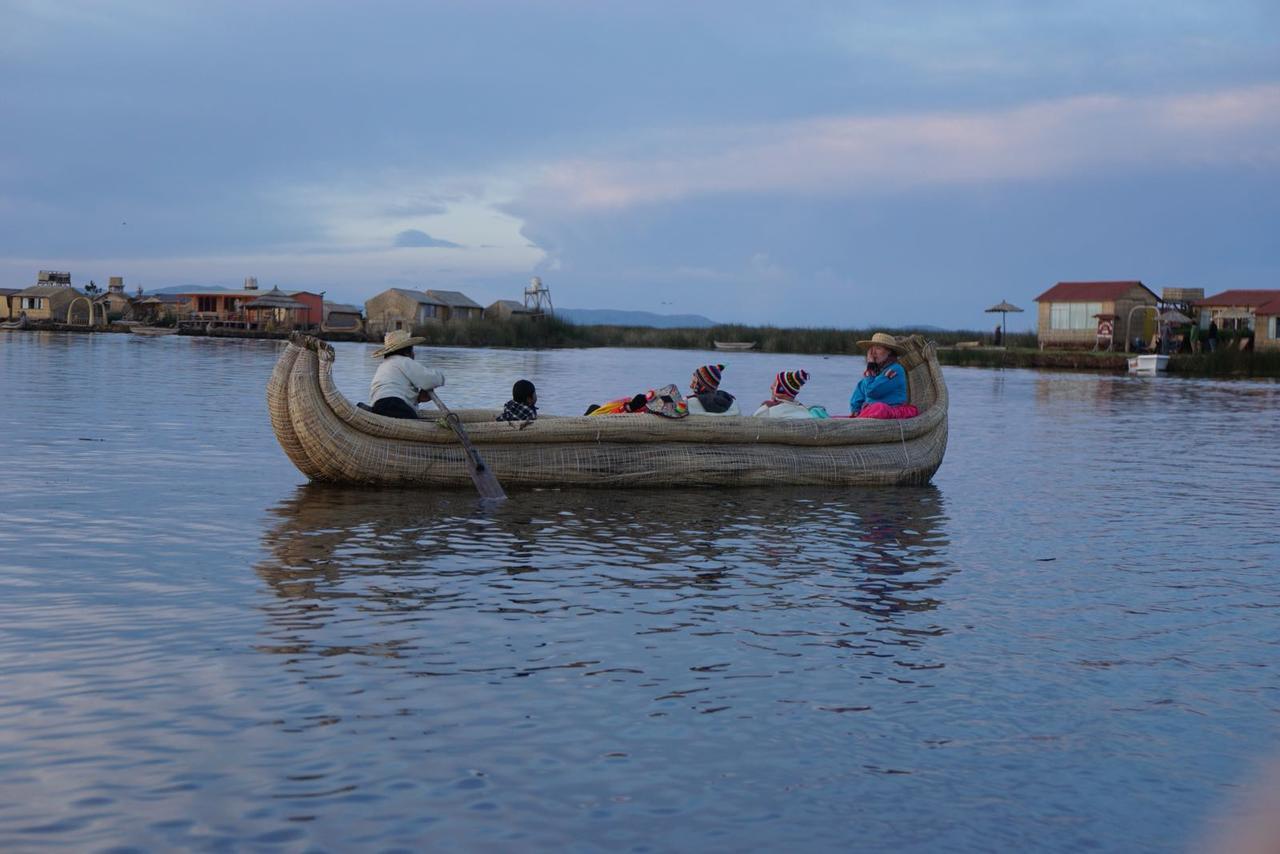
(842, 568)
(760, 669)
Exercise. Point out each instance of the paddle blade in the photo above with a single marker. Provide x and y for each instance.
(481, 475)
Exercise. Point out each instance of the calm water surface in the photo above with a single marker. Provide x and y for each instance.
(1069, 641)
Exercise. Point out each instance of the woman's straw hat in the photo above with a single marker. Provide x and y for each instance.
(396, 339)
(884, 339)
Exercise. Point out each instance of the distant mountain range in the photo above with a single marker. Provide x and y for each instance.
(611, 317)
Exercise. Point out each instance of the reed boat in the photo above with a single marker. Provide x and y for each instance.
(734, 345)
(330, 439)
(20, 323)
(153, 330)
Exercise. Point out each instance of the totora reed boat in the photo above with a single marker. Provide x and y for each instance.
(331, 440)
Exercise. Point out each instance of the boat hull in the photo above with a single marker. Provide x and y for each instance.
(1148, 364)
(734, 346)
(331, 440)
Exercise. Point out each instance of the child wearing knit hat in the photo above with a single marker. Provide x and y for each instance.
(705, 395)
(783, 403)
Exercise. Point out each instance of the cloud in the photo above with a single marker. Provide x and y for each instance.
(764, 267)
(863, 154)
(415, 208)
(414, 238)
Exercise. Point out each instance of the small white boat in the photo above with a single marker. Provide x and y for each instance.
(1148, 364)
(734, 345)
(153, 330)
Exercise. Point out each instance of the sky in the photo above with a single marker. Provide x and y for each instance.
(804, 164)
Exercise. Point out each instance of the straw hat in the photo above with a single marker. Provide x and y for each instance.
(396, 339)
(884, 339)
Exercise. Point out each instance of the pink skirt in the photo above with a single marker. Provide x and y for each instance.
(885, 410)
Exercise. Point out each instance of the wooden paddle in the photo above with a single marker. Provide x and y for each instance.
(486, 483)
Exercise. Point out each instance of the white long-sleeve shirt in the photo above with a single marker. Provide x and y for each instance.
(783, 409)
(402, 377)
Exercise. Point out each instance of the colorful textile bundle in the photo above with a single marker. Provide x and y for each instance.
(620, 406)
(666, 402)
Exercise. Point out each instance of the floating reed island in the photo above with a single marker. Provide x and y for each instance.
(330, 439)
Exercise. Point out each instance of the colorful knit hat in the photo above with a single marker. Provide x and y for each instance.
(706, 378)
(787, 383)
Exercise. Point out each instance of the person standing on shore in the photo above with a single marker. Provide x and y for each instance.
(400, 383)
(1212, 337)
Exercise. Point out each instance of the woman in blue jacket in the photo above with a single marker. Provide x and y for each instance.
(884, 380)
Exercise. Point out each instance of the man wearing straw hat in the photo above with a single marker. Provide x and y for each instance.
(883, 381)
(400, 383)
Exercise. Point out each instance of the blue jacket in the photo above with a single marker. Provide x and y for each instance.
(888, 386)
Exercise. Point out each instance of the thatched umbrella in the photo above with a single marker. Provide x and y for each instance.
(1173, 317)
(274, 301)
(1167, 318)
(1004, 307)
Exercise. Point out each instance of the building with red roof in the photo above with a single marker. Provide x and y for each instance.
(1247, 310)
(208, 307)
(1095, 314)
(1242, 309)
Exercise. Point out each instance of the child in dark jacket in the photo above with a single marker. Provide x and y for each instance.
(705, 395)
(523, 405)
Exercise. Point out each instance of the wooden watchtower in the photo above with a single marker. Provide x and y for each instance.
(537, 299)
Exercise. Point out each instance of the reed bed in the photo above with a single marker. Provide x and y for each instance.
(556, 332)
(1232, 363)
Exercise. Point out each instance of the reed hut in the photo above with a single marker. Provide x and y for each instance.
(114, 303)
(457, 305)
(340, 317)
(160, 309)
(506, 309)
(1072, 314)
(401, 308)
(6, 310)
(50, 302)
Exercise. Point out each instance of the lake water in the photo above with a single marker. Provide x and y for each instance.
(1069, 641)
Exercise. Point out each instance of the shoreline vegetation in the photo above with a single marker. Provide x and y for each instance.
(960, 348)
(955, 347)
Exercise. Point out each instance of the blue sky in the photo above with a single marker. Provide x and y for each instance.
(801, 164)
